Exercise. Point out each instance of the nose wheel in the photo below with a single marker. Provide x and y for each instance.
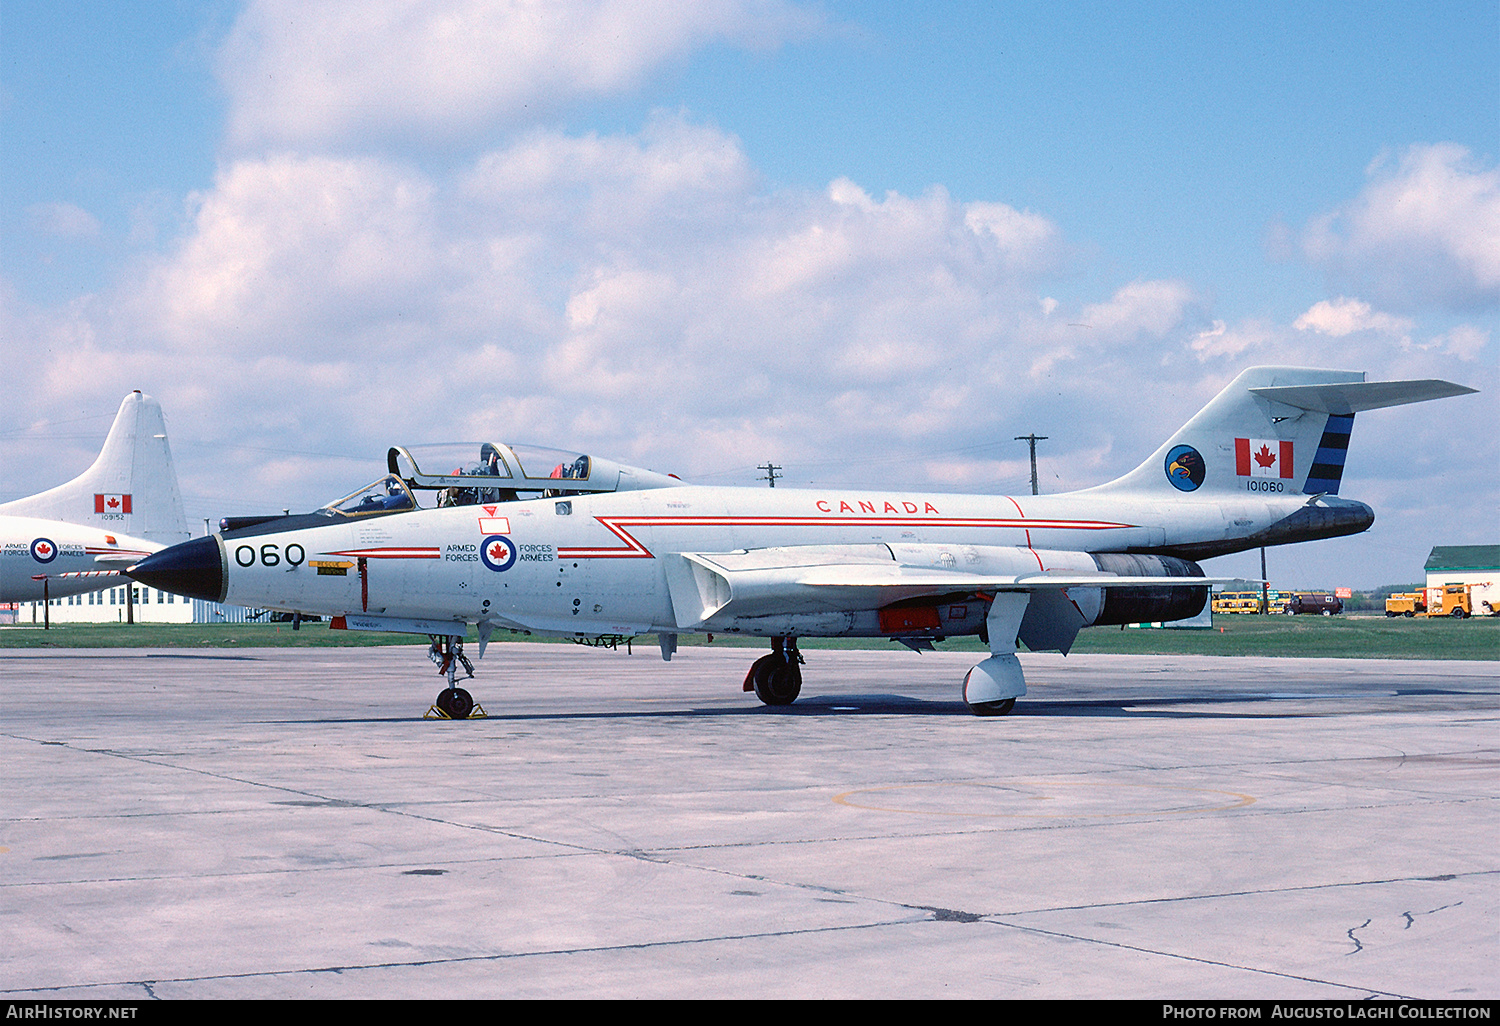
(455, 703)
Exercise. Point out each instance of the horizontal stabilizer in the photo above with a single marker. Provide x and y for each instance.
(1349, 397)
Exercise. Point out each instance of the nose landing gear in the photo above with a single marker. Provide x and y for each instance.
(453, 702)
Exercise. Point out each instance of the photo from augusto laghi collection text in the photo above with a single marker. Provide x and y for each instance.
(1480, 1010)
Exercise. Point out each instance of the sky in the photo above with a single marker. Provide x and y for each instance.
(871, 243)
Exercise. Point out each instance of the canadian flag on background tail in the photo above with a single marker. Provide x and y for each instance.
(111, 504)
(1262, 457)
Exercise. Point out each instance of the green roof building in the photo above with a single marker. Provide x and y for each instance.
(1445, 559)
(1476, 565)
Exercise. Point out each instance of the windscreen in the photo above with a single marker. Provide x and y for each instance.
(387, 495)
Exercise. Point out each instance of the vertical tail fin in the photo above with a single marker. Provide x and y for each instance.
(1272, 429)
(131, 487)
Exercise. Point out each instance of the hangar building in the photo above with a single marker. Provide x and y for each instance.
(1463, 564)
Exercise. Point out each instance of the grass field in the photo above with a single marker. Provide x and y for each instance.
(1340, 637)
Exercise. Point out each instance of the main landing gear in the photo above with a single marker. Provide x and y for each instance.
(776, 679)
(447, 653)
(990, 689)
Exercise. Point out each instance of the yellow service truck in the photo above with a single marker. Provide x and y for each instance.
(1406, 603)
(1461, 601)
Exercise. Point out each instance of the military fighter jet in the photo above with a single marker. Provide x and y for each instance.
(576, 546)
(79, 536)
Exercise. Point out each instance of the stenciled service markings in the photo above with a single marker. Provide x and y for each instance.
(1042, 799)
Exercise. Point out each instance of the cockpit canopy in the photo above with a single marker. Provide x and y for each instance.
(505, 473)
(388, 495)
(501, 473)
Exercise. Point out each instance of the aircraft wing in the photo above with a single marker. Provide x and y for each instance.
(807, 579)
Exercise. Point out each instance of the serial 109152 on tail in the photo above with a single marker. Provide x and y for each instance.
(527, 540)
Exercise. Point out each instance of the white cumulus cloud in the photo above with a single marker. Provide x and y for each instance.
(283, 245)
(638, 293)
(325, 71)
(1424, 231)
(1344, 316)
(1142, 308)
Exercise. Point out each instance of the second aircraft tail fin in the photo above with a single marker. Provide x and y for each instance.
(131, 487)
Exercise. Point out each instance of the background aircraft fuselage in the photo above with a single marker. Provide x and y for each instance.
(34, 547)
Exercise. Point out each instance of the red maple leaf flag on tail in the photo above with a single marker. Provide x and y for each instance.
(111, 503)
(1262, 457)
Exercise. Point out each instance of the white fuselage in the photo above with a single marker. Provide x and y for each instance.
(31, 547)
(596, 564)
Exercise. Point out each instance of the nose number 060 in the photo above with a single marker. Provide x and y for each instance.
(269, 555)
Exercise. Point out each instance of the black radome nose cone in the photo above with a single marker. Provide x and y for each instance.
(193, 568)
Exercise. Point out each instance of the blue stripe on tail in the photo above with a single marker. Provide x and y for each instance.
(1328, 465)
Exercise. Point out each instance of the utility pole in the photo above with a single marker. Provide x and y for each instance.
(770, 469)
(1032, 440)
(46, 601)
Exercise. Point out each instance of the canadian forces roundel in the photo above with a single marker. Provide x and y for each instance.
(44, 550)
(498, 552)
(1184, 468)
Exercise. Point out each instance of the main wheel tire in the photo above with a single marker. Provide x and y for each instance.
(1000, 708)
(777, 681)
(455, 703)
